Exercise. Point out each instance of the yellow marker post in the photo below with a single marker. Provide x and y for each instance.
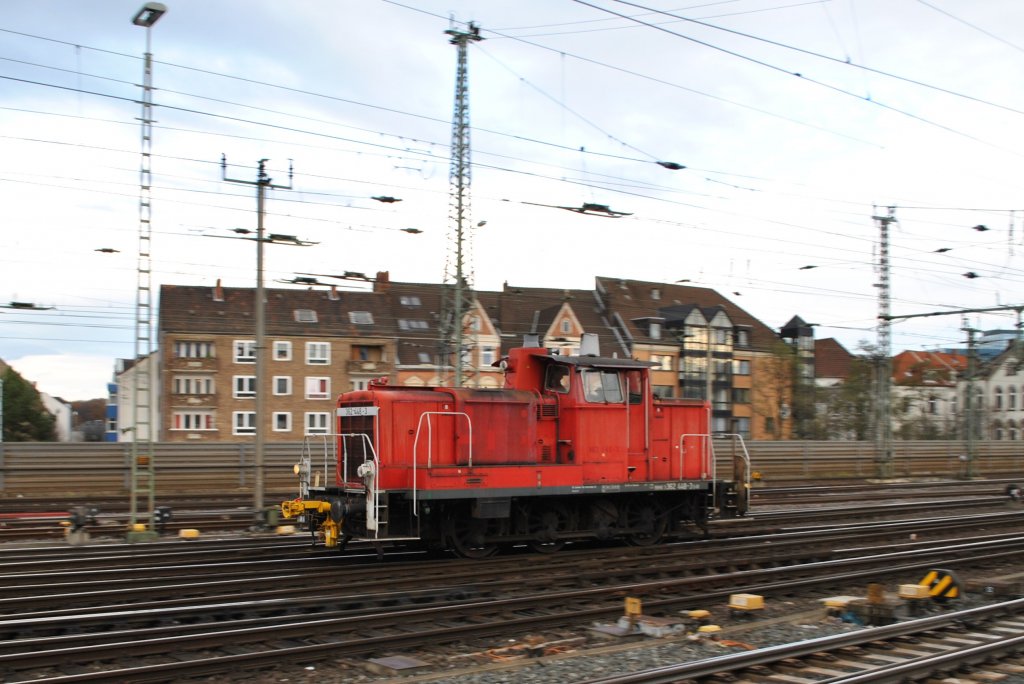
(634, 606)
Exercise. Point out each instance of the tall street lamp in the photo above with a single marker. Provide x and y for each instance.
(143, 468)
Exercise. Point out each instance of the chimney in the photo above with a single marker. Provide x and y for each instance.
(333, 294)
(218, 292)
(590, 345)
(382, 281)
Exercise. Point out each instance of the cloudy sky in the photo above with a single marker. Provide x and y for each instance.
(797, 122)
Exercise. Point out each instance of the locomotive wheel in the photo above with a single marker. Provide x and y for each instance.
(544, 523)
(602, 518)
(466, 536)
(645, 523)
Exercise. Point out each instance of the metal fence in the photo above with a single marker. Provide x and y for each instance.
(86, 469)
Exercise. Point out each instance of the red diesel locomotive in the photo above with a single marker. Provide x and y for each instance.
(572, 448)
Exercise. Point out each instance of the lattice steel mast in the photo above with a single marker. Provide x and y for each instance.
(143, 467)
(883, 420)
(458, 293)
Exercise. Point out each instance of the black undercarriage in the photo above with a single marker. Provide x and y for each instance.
(478, 527)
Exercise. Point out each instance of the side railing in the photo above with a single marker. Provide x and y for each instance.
(707, 451)
(742, 475)
(425, 421)
(311, 446)
(709, 459)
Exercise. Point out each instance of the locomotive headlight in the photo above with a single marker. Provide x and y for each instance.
(296, 468)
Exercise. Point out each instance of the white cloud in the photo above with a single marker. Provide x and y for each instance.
(71, 377)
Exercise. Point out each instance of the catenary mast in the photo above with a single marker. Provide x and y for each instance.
(458, 293)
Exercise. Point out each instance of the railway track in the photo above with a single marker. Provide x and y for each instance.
(221, 616)
(975, 640)
(42, 518)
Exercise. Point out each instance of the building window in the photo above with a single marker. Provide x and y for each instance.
(316, 423)
(282, 350)
(409, 301)
(243, 423)
(662, 362)
(720, 424)
(741, 367)
(722, 369)
(740, 395)
(305, 316)
(655, 331)
(191, 349)
(742, 427)
(1011, 399)
(191, 384)
(742, 337)
(360, 317)
(474, 323)
(655, 294)
(424, 357)
(245, 386)
(318, 353)
(192, 420)
(318, 388)
(663, 391)
(933, 406)
(282, 421)
(999, 399)
(566, 326)
(413, 324)
(245, 351)
(487, 356)
(282, 385)
(769, 424)
(358, 383)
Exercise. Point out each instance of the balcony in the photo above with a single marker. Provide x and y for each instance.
(180, 401)
(370, 367)
(207, 364)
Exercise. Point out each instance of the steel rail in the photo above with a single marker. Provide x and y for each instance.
(565, 607)
(772, 654)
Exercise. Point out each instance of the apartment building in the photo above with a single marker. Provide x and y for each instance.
(319, 344)
(324, 342)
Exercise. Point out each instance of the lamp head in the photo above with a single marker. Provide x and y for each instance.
(149, 14)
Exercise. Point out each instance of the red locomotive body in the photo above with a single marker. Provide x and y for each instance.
(573, 447)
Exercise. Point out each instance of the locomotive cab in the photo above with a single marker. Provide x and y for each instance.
(571, 448)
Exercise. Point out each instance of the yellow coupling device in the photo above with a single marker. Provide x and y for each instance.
(331, 531)
(296, 507)
(329, 528)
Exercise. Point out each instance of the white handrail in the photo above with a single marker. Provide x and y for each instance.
(745, 455)
(430, 443)
(707, 453)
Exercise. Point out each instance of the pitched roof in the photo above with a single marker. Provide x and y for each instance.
(927, 368)
(231, 310)
(531, 311)
(635, 299)
(831, 359)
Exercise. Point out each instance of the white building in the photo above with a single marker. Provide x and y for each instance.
(62, 413)
(1001, 414)
(132, 373)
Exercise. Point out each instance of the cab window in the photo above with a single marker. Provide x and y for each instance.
(556, 379)
(602, 387)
